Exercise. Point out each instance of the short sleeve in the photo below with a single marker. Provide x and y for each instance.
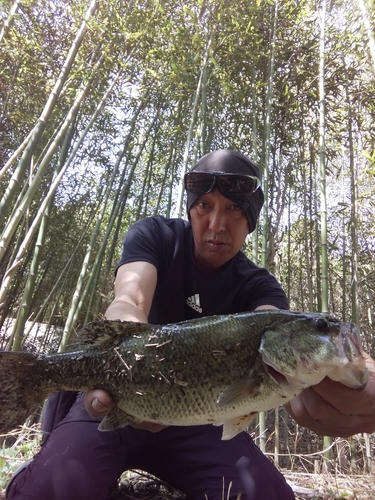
(266, 290)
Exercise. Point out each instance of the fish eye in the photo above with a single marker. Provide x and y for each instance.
(321, 324)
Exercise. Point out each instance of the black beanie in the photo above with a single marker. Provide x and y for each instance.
(226, 160)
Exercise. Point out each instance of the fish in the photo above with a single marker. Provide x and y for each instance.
(220, 370)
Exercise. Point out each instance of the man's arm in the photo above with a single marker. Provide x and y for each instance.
(332, 409)
(265, 308)
(134, 290)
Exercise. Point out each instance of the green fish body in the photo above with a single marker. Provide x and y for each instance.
(219, 370)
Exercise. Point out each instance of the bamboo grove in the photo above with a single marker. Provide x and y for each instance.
(105, 105)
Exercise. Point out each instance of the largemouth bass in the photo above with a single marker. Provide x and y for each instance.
(219, 370)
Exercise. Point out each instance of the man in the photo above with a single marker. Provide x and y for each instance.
(171, 270)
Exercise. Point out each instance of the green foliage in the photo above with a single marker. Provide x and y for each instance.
(12, 457)
(153, 53)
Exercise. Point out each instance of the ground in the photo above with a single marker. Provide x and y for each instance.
(22, 444)
(331, 487)
(139, 486)
(305, 486)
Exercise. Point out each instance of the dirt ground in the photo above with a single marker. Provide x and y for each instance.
(331, 487)
(305, 486)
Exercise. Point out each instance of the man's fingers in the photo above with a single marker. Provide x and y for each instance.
(98, 407)
(98, 403)
(310, 410)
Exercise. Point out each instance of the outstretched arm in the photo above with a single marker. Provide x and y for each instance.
(134, 290)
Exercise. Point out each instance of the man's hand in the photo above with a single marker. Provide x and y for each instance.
(98, 403)
(332, 409)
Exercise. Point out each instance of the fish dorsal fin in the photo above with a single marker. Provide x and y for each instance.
(236, 425)
(240, 391)
(101, 333)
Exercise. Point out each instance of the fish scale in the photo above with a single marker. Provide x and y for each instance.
(218, 370)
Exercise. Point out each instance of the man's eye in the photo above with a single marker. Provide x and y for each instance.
(235, 208)
(202, 204)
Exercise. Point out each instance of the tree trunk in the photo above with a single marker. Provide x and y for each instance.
(38, 130)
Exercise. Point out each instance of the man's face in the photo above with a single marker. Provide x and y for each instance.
(219, 230)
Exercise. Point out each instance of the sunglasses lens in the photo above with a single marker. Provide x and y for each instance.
(229, 184)
(234, 185)
(199, 183)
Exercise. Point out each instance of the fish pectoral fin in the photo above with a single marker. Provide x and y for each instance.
(240, 391)
(236, 425)
(116, 419)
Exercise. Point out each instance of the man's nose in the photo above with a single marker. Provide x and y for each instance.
(217, 220)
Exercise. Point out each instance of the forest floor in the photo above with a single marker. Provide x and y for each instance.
(305, 486)
(331, 487)
(135, 485)
(139, 486)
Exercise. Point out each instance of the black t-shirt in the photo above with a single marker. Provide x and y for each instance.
(183, 290)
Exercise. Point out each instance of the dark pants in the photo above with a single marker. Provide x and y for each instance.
(79, 462)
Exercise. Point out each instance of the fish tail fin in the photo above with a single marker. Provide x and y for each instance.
(20, 388)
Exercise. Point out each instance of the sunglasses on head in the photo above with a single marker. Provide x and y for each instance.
(228, 184)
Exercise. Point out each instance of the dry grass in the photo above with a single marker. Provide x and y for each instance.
(305, 486)
(136, 485)
(142, 486)
(332, 487)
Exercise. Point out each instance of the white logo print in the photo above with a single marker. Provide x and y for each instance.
(194, 302)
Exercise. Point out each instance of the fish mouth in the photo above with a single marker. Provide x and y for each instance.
(353, 371)
(351, 341)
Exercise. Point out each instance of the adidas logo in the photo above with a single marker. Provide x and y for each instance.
(194, 302)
